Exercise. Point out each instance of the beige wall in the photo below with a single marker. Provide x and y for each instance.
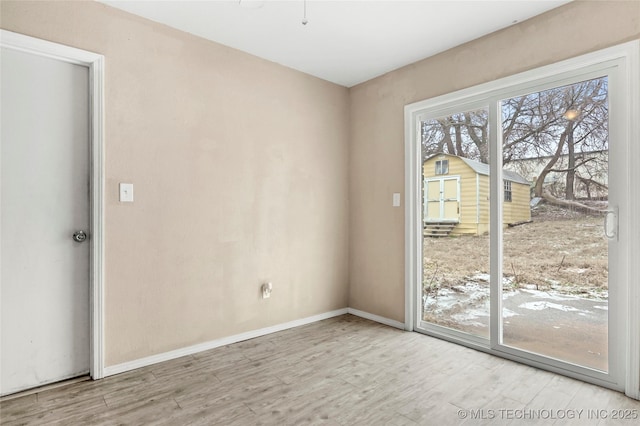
(376, 229)
(240, 169)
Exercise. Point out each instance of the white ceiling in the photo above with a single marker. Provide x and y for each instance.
(345, 42)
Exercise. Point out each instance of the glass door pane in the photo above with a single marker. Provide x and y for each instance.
(455, 176)
(555, 254)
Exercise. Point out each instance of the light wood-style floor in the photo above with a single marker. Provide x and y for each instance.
(341, 371)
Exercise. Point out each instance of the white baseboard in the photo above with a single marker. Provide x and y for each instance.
(190, 350)
(376, 318)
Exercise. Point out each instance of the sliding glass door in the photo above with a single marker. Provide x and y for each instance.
(514, 245)
(555, 252)
(455, 280)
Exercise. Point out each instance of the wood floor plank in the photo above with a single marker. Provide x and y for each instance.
(136, 412)
(58, 413)
(557, 394)
(343, 371)
(17, 407)
(218, 413)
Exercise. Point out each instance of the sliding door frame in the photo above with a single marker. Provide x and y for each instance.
(620, 62)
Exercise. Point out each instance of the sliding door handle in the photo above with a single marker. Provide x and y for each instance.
(611, 224)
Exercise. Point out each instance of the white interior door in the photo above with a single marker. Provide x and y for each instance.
(45, 199)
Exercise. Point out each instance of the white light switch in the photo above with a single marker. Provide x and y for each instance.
(396, 199)
(126, 193)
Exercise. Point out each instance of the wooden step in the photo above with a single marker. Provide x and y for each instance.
(438, 229)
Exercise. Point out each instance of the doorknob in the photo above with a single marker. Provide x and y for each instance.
(79, 236)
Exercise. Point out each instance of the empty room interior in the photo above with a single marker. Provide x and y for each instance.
(310, 212)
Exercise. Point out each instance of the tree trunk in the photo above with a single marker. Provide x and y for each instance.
(459, 150)
(538, 188)
(446, 135)
(571, 204)
(479, 141)
(571, 167)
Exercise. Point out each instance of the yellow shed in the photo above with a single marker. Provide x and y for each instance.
(456, 196)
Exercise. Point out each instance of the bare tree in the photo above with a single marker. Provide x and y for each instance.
(464, 134)
(560, 127)
(562, 123)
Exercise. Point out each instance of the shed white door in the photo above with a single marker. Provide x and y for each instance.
(442, 199)
(45, 199)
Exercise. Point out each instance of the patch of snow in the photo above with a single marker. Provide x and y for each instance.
(507, 294)
(538, 306)
(563, 295)
(445, 292)
(468, 316)
(539, 294)
(602, 295)
(481, 277)
(506, 313)
(471, 288)
(468, 303)
(442, 303)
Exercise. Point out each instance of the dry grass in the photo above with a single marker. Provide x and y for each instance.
(560, 249)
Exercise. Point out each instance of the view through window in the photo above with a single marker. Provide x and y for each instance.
(554, 197)
(555, 268)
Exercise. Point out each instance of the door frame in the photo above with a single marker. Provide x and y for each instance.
(627, 57)
(95, 63)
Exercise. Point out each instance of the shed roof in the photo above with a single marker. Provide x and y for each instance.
(483, 169)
